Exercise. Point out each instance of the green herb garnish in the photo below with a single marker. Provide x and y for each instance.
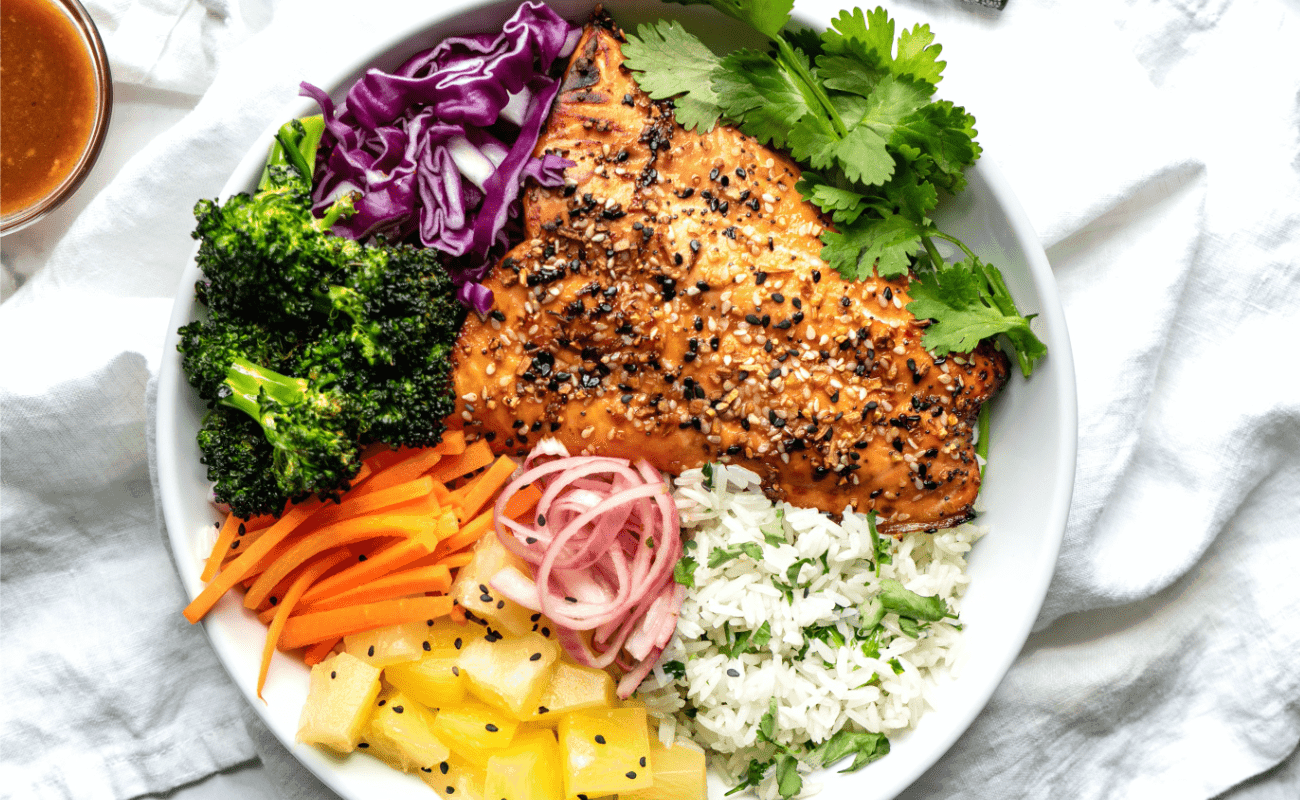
(855, 105)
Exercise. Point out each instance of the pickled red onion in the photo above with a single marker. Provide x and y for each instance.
(601, 547)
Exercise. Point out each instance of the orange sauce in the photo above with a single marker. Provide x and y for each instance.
(47, 100)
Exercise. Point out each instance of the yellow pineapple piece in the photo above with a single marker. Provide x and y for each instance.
(680, 772)
(391, 645)
(510, 673)
(400, 732)
(455, 778)
(342, 691)
(474, 730)
(604, 751)
(574, 687)
(472, 589)
(436, 679)
(529, 769)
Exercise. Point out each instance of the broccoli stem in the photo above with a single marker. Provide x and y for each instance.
(247, 382)
(295, 145)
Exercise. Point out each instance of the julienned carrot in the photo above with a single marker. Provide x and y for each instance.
(340, 533)
(360, 550)
(358, 503)
(522, 502)
(476, 456)
(308, 628)
(305, 578)
(414, 464)
(469, 533)
(225, 537)
(456, 560)
(232, 530)
(452, 444)
(481, 488)
(419, 580)
(241, 567)
(317, 653)
(389, 559)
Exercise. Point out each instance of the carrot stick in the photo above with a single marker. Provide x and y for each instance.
(483, 487)
(225, 537)
(457, 614)
(305, 578)
(468, 534)
(358, 503)
(340, 533)
(414, 464)
(316, 653)
(304, 629)
(419, 580)
(522, 502)
(452, 444)
(476, 456)
(238, 569)
(456, 560)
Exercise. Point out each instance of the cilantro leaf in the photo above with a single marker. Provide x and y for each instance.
(788, 780)
(684, 571)
(767, 17)
(674, 669)
(721, 555)
(887, 244)
(870, 37)
(906, 603)
(864, 747)
(969, 302)
(673, 63)
(844, 205)
(755, 89)
(761, 636)
(753, 775)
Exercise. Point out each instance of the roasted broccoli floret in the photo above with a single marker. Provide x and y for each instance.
(328, 343)
(237, 456)
(312, 433)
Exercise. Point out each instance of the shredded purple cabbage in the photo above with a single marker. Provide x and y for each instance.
(439, 150)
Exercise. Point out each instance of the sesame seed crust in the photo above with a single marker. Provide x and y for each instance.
(669, 303)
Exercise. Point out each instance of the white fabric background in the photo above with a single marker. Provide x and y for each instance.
(1156, 148)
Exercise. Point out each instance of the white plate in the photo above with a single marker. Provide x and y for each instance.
(1026, 493)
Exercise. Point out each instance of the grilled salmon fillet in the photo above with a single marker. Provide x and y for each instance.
(669, 304)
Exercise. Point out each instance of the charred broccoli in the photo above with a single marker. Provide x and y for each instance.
(316, 344)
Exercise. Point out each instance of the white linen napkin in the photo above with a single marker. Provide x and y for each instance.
(1166, 662)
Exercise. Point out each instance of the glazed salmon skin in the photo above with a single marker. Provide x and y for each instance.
(669, 304)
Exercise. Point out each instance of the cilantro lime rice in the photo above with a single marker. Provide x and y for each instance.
(802, 641)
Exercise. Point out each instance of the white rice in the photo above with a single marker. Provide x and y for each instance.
(831, 687)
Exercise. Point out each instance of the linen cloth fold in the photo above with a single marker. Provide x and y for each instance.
(1166, 661)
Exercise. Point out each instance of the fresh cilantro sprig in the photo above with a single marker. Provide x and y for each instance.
(855, 106)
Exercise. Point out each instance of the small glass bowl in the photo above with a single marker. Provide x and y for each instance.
(94, 46)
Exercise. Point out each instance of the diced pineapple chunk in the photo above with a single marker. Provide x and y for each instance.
(574, 687)
(604, 751)
(473, 591)
(436, 679)
(529, 769)
(391, 645)
(455, 778)
(400, 732)
(473, 730)
(510, 673)
(680, 773)
(343, 688)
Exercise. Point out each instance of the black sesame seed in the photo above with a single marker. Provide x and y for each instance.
(543, 710)
(444, 767)
(817, 276)
(398, 709)
(642, 762)
(735, 673)
(427, 647)
(371, 651)
(845, 301)
(600, 739)
(631, 775)
(491, 728)
(333, 675)
(458, 642)
(778, 297)
(535, 657)
(455, 671)
(760, 278)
